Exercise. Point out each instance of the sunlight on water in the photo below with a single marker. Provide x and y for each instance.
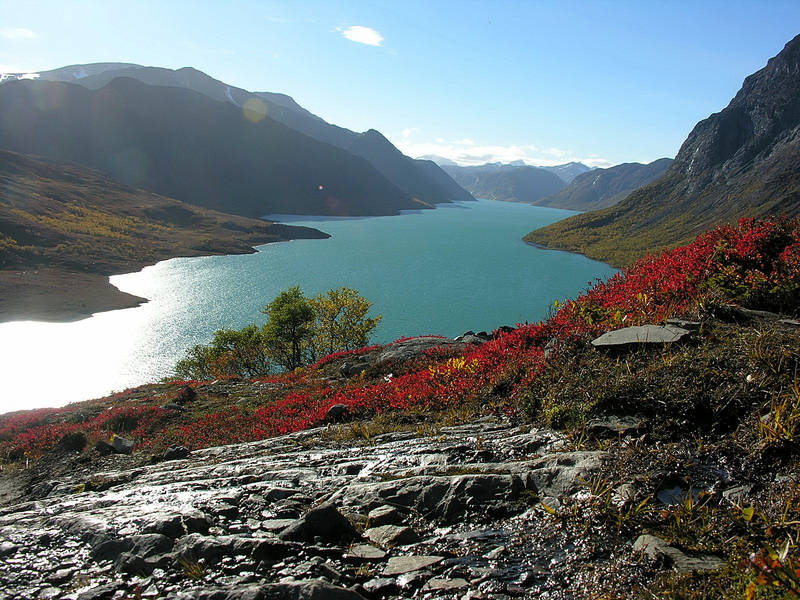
(444, 271)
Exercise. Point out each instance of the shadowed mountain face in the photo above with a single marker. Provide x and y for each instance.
(601, 188)
(741, 162)
(182, 144)
(510, 183)
(430, 185)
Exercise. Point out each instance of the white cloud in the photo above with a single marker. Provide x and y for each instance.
(17, 34)
(362, 35)
(467, 152)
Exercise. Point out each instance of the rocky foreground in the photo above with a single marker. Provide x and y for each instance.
(447, 515)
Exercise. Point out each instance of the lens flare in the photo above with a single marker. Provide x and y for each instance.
(255, 110)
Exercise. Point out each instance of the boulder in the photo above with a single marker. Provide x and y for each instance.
(612, 425)
(175, 453)
(176, 525)
(384, 515)
(389, 536)
(71, 442)
(337, 413)
(187, 394)
(322, 522)
(640, 334)
(121, 445)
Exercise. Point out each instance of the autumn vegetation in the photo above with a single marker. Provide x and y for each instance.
(730, 394)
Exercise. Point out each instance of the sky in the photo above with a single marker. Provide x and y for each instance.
(601, 82)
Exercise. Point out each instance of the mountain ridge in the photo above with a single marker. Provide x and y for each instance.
(743, 161)
(423, 183)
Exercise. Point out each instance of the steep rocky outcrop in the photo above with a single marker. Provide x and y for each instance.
(741, 162)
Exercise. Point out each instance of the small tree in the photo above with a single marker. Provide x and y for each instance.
(341, 321)
(289, 329)
(232, 352)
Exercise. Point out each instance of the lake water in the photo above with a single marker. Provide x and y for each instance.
(442, 271)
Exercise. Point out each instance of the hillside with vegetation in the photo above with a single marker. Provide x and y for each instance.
(651, 468)
(741, 162)
(65, 228)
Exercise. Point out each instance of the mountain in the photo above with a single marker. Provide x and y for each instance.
(439, 160)
(600, 188)
(496, 181)
(569, 171)
(65, 228)
(182, 144)
(417, 181)
(743, 161)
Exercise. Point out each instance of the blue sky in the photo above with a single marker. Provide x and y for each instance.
(547, 82)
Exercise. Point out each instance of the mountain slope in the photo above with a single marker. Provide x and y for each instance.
(569, 171)
(741, 162)
(182, 144)
(429, 185)
(506, 182)
(65, 228)
(601, 188)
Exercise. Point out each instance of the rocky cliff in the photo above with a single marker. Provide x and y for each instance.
(741, 162)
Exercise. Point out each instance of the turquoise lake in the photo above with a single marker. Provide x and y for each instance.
(443, 271)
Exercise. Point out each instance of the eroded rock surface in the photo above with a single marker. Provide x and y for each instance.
(290, 517)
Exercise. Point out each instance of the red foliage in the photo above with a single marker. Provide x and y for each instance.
(756, 263)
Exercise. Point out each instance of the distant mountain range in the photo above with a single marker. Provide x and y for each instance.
(569, 171)
(510, 183)
(741, 162)
(600, 188)
(271, 168)
(65, 228)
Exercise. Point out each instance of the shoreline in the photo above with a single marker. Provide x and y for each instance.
(53, 294)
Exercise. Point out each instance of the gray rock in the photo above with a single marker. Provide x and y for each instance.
(384, 515)
(397, 565)
(151, 544)
(657, 549)
(445, 584)
(175, 525)
(324, 522)
(793, 322)
(381, 586)
(408, 349)
(175, 453)
(559, 475)
(389, 536)
(365, 553)
(121, 445)
(276, 525)
(110, 548)
(8, 549)
(640, 334)
(100, 592)
(175, 407)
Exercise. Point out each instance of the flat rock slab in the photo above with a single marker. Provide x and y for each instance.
(656, 548)
(446, 584)
(640, 334)
(397, 565)
(365, 553)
